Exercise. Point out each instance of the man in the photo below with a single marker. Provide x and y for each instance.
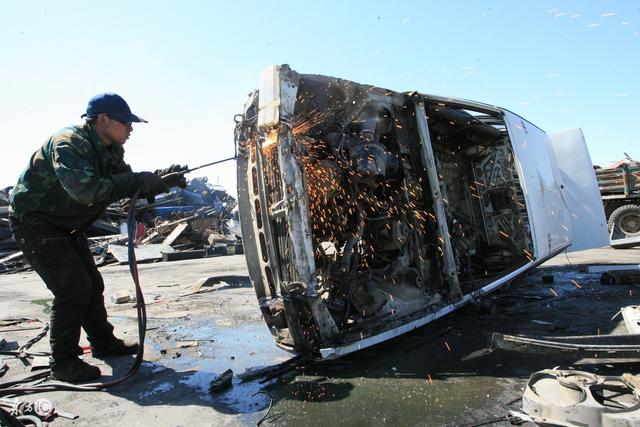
(68, 183)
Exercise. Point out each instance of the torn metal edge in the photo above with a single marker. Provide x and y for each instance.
(336, 352)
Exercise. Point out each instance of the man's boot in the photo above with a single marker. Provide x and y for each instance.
(113, 347)
(74, 370)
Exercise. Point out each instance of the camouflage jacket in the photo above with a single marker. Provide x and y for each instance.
(68, 180)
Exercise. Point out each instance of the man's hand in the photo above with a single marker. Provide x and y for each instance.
(171, 169)
(149, 184)
(175, 179)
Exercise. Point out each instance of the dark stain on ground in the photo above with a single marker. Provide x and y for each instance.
(444, 373)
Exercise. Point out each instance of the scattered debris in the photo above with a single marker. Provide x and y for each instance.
(121, 297)
(221, 382)
(609, 346)
(214, 280)
(187, 344)
(547, 278)
(40, 362)
(267, 373)
(182, 255)
(478, 353)
(195, 222)
(143, 253)
(620, 277)
(541, 322)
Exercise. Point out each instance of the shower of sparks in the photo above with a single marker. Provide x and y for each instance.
(271, 139)
(304, 122)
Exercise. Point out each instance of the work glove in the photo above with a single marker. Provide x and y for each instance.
(175, 179)
(171, 169)
(149, 185)
(123, 186)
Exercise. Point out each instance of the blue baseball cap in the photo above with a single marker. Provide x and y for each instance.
(113, 106)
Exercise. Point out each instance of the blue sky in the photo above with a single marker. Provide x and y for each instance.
(187, 66)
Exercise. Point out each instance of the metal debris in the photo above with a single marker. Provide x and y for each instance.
(568, 397)
(195, 222)
(121, 297)
(631, 316)
(603, 346)
(620, 277)
(221, 382)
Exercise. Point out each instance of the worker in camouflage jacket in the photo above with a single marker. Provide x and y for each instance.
(68, 183)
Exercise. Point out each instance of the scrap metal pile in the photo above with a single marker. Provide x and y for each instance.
(194, 222)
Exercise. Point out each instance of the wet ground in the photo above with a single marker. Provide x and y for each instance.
(441, 374)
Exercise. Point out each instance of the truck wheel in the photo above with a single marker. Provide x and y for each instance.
(626, 219)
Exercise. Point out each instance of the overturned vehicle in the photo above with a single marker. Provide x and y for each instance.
(367, 213)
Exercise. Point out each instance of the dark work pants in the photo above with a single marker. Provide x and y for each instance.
(66, 266)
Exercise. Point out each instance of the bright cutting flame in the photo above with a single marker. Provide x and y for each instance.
(272, 138)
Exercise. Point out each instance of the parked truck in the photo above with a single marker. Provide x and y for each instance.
(620, 189)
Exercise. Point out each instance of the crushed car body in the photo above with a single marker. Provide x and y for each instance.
(367, 213)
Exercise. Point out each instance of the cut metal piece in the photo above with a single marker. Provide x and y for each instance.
(143, 253)
(610, 346)
(631, 316)
(221, 382)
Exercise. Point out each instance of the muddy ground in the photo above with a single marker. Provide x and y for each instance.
(441, 374)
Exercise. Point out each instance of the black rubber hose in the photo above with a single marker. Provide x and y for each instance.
(7, 389)
(9, 420)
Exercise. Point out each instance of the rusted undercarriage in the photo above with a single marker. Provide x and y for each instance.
(366, 212)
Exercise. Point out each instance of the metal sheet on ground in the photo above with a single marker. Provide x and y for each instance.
(143, 253)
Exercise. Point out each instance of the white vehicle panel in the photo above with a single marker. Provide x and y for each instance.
(588, 225)
(539, 174)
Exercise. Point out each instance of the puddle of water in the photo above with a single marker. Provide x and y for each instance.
(222, 347)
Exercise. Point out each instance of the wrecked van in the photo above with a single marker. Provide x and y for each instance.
(367, 213)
